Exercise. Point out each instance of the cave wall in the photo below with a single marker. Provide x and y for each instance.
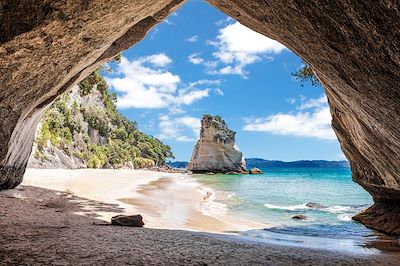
(353, 46)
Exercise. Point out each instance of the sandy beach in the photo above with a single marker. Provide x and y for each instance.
(165, 200)
(44, 228)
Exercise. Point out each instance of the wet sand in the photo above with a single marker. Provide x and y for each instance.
(41, 227)
(165, 200)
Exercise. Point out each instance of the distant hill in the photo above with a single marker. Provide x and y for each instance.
(261, 163)
(178, 164)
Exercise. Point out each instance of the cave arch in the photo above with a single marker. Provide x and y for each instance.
(353, 47)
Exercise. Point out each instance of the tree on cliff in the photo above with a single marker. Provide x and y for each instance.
(304, 74)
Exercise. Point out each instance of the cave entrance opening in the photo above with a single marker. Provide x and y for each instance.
(253, 83)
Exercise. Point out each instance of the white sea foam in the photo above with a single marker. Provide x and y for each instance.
(289, 207)
(210, 206)
(330, 209)
(337, 209)
(346, 217)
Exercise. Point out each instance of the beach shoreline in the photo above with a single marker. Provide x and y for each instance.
(44, 228)
(165, 200)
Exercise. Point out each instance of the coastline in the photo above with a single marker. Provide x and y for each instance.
(165, 200)
(43, 228)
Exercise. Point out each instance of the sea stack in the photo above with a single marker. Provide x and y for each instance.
(216, 150)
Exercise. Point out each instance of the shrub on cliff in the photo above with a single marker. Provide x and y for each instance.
(304, 74)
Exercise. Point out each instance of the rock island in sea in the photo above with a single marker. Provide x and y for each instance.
(216, 151)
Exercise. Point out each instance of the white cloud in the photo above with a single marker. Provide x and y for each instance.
(160, 60)
(195, 59)
(312, 120)
(238, 46)
(313, 103)
(192, 39)
(192, 96)
(174, 128)
(145, 83)
(208, 82)
(240, 39)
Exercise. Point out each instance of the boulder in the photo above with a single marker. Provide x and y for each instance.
(255, 171)
(314, 205)
(128, 220)
(299, 217)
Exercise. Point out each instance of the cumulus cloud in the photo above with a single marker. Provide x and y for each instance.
(175, 128)
(313, 119)
(236, 47)
(146, 83)
(160, 60)
(195, 59)
(192, 39)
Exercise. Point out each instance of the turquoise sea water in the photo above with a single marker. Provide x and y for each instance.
(280, 193)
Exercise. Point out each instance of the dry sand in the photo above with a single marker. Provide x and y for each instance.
(40, 227)
(165, 200)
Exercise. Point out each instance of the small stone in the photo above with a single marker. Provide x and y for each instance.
(255, 171)
(314, 205)
(299, 217)
(128, 220)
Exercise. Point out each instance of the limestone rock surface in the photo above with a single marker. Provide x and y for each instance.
(216, 150)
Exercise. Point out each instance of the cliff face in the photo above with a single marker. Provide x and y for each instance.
(353, 46)
(216, 150)
(83, 129)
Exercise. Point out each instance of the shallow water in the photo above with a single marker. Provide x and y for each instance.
(277, 195)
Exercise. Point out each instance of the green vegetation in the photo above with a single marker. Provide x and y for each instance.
(114, 140)
(305, 74)
(216, 118)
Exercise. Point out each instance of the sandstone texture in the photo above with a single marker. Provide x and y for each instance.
(353, 47)
(216, 150)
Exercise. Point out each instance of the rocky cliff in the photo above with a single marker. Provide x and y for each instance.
(216, 150)
(83, 129)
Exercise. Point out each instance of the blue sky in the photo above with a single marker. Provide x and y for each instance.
(199, 61)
